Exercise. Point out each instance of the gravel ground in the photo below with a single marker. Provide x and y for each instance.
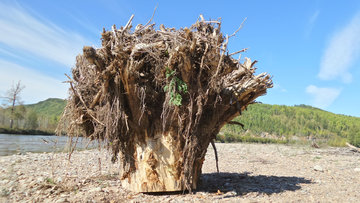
(248, 173)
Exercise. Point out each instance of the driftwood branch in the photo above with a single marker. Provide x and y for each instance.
(243, 50)
(353, 147)
(96, 99)
(151, 17)
(216, 155)
(238, 29)
(224, 47)
(236, 123)
(128, 24)
(82, 101)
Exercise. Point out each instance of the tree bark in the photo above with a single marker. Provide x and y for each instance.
(156, 166)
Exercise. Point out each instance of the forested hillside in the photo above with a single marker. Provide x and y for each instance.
(299, 120)
(49, 112)
(44, 115)
(50, 107)
(279, 120)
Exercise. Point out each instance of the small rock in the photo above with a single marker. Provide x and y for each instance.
(61, 200)
(40, 179)
(59, 180)
(318, 168)
(357, 169)
(98, 189)
(317, 181)
(19, 173)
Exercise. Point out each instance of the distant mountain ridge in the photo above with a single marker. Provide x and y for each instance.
(49, 108)
(300, 120)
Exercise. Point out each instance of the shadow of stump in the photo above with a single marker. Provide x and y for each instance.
(243, 183)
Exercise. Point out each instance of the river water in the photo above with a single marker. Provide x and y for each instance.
(14, 144)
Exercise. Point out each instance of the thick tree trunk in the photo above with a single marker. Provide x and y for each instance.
(156, 166)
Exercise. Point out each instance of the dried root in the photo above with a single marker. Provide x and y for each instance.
(145, 81)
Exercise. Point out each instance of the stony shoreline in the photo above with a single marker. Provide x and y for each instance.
(248, 173)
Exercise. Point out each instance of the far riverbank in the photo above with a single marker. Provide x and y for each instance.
(18, 131)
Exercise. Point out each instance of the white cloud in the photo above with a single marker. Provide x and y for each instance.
(322, 96)
(22, 32)
(341, 52)
(311, 23)
(38, 86)
(279, 87)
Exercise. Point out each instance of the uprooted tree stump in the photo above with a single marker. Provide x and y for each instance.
(158, 98)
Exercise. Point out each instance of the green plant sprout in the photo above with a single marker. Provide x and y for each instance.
(175, 87)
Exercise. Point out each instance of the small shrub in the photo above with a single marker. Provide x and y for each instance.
(229, 137)
(220, 138)
(49, 180)
(238, 138)
(337, 142)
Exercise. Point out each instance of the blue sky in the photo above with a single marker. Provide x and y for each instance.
(312, 48)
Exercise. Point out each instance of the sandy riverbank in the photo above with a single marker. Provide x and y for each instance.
(249, 173)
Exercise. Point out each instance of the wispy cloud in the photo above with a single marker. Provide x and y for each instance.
(38, 86)
(85, 23)
(22, 32)
(322, 96)
(279, 88)
(341, 52)
(7, 53)
(311, 23)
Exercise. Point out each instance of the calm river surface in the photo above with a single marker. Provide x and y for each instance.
(13, 144)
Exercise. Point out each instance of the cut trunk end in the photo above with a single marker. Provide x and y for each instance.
(157, 166)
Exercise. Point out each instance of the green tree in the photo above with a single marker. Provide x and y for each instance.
(13, 98)
(19, 116)
(2, 116)
(32, 120)
(354, 136)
